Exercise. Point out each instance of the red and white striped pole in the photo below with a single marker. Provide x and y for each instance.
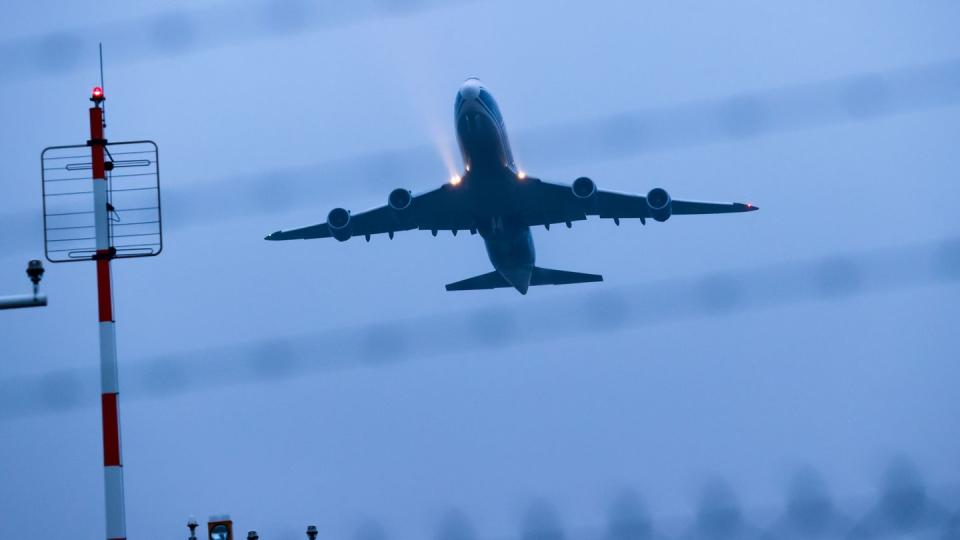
(109, 385)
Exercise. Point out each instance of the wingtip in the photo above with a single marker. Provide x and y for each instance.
(749, 207)
(273, 236)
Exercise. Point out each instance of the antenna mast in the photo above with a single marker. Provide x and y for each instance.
(104, 105)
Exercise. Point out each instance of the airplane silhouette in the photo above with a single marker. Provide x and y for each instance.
(496, 199)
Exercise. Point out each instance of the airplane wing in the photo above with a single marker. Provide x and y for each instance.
(544, 203)
(551, 203)
(440, 209)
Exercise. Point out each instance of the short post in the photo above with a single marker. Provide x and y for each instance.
(35, 273)
(220, 528)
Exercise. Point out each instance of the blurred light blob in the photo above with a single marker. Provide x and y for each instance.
(904, 509)
(163, 378)
(866, 96)
(172, 32)
(948, 259)
(742, 117)
(287, 16)
(493, 326)
(56, 52)
(952, 530)
(720, 293)
(383, 344)
(719, 515)
(454, 525)
(628, 518)
(837, 276)
(61, 390)
(370, 529)
(541, 521)
(809, 511)
(272, 359)
(606, 310)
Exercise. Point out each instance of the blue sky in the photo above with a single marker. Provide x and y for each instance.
(261, 123)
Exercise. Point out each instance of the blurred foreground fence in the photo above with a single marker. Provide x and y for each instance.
(575, 313)
(903, 507)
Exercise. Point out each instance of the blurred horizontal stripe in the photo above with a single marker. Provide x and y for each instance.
(596, 310)
(805, 106)
(176, 32)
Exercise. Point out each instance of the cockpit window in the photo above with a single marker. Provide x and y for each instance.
(490, 104)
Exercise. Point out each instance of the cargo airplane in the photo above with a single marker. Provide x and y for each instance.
(496, 199)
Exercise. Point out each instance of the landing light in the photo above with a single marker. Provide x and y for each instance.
(521, 175)
(455, 180)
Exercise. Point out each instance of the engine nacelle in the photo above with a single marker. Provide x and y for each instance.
(339, 222)
(660, 203)
(584, 188)
(399, 199)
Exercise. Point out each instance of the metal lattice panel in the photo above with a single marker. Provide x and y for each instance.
(133, 177)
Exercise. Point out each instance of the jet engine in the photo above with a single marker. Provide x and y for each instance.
(660, 203)
(399, 199)
(584, 188)
(339, 222)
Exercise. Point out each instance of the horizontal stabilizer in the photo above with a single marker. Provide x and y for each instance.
(490, 280)
(547, 276)
(539, 276)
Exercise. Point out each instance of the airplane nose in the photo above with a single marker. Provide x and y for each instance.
(470, 89)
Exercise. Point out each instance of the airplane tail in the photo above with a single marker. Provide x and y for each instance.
(540, 276)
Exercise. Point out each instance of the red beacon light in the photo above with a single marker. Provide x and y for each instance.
(97, 94)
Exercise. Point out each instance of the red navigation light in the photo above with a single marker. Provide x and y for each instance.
(97, 92)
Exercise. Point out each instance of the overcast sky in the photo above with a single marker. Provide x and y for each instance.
(819, 332)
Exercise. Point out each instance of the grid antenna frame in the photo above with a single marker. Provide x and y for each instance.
(133, 179)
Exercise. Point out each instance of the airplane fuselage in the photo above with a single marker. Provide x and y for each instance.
(491, 177)
(495, 198)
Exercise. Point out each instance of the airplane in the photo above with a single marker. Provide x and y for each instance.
(495, 198)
